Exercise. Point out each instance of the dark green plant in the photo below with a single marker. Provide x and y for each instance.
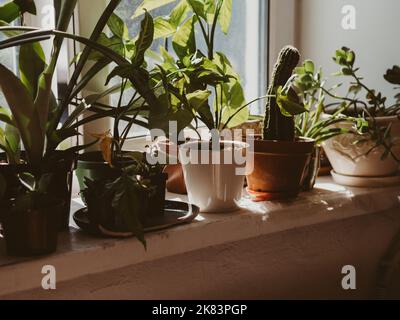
(128, 195)
(365, 110)
(279, 124)
(316, 124)
(35, 112)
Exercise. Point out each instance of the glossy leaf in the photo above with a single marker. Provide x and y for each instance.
(184, 41)
(225, 15)
(118, 27)
(148, 5)
(145, 39)
(32, 62)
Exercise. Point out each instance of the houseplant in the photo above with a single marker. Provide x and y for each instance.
(44, 132)
(280, 159)
(123, 189)
(29, 221)
(375, 153)
(316, 124)
(222, 104)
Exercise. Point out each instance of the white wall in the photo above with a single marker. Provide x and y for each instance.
(376, 39)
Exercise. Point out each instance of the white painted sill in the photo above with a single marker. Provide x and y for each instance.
(79, 255)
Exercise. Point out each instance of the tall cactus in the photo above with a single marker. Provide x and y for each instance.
(276, 125)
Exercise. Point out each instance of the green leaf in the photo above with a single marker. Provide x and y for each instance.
(12, 10)
(26, 6)
(288, 106)
(32, 62)
(198, 7)
(13, 140)
(118, 27)
(28, 180)
(179, 13)
(163, 28)
(393, 75)
(42, 101)
(24, 112)
(148, 5)
(225, 15)
(128, 203)
(309, 66)
(234, 99)
(198, 98)
(114, 43)
(5, 116)
(9, 12)
(184, 41)
(145, 40)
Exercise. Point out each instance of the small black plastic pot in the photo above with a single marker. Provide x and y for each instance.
(156, 202)
(60, 186)
(92, 165)
(32, 232)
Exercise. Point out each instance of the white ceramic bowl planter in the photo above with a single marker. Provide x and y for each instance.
(214, 178)
(349, 159)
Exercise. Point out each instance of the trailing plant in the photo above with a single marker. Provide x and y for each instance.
(365, 111)
(316, 124)
(282, 102)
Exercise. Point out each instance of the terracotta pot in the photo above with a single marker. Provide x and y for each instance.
(350, 159)
(176, 180)
(279, 168)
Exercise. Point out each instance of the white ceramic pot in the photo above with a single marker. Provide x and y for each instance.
(350, 159)
(215, 188)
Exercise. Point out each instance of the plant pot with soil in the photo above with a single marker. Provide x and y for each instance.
(61, 167)
(369, 149)
(30, 221)
(214, 174)
(280, 158)
(315, 123)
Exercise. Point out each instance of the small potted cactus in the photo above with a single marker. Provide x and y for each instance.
(280, 158)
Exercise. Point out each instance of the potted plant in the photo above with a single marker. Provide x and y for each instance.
(30, 224)
(211, 94)
(373, 156)
(280, 158)
(43, 133)
(120, 206)
(197, 75)
(316, 124)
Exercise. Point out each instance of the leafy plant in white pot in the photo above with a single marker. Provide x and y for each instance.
(371, 158)
(205, 90)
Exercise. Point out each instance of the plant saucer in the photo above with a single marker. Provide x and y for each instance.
(366, 182)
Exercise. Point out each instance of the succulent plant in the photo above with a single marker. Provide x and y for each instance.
(277, 125)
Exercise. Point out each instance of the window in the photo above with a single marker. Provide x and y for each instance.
(245, 44)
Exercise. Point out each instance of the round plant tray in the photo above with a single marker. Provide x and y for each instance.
(366, 182)
(176, 213)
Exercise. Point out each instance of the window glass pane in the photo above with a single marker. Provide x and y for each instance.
(7, 58)
(242, 44)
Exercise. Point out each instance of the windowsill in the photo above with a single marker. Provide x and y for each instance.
(79, 255)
